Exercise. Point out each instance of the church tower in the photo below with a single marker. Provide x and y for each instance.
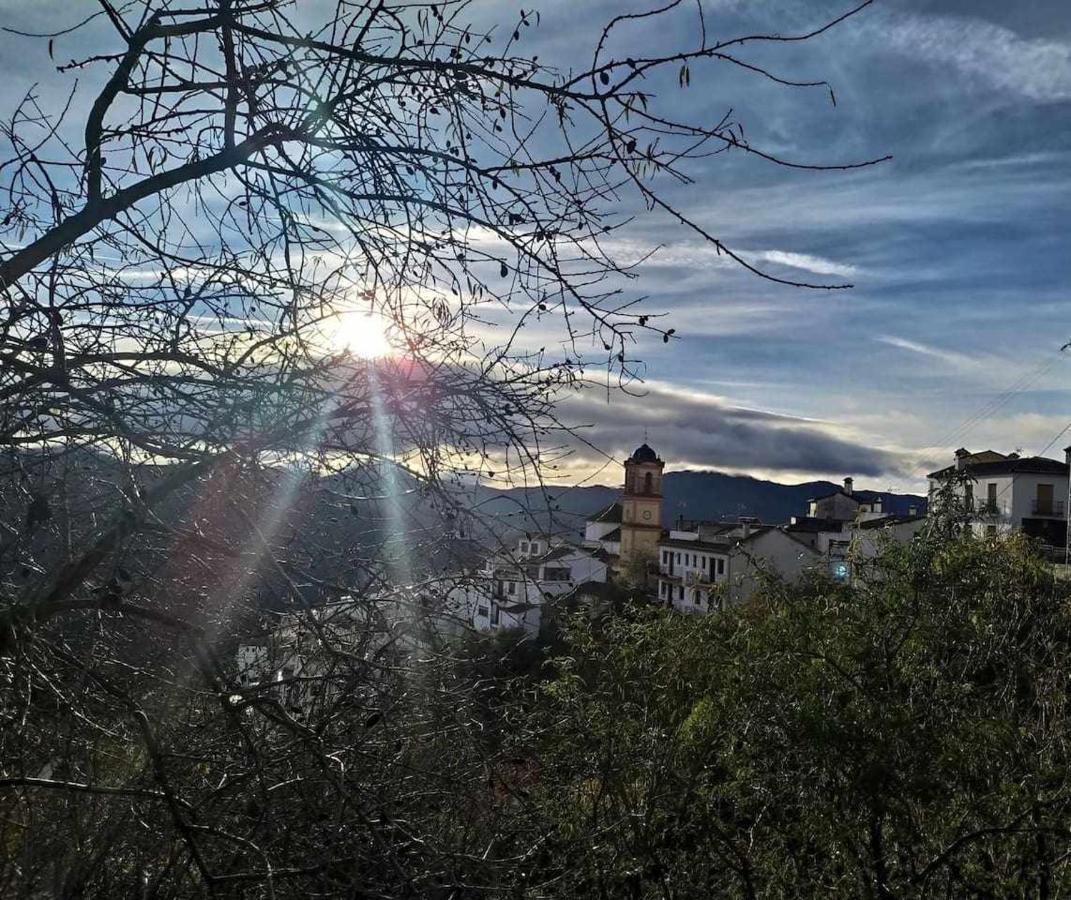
(641, 504)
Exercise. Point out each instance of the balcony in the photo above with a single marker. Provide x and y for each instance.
(990, 509)
(1048, 509)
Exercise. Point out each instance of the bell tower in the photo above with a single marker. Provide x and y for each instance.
(641, 504)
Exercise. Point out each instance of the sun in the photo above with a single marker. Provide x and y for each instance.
(364, 335)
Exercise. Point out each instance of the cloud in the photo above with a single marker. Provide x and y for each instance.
(808, 263)
(703, 431)
(948, 356)
(989, 55)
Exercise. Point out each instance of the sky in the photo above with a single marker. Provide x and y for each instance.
(957, 247)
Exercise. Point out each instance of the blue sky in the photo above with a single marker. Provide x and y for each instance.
(958, 247)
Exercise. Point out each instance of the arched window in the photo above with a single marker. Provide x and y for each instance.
(648, 483)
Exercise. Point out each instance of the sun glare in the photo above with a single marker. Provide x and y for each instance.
(362, 334)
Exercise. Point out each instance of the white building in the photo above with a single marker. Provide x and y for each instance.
(704, 566)
(513, 591)
(1008, 492)
(869, 538)
(603, 530)
(296, 660)
(846, 504)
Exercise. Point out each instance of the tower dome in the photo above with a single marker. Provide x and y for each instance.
(643, 454)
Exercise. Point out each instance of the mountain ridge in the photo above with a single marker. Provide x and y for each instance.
(691, 493)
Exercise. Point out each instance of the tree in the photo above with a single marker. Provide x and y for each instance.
(174, 255)
(902, 735)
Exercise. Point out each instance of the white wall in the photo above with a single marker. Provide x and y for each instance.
(772, 551)
(1016, 495)
(869, 542)
(596, 531)
(523, 608)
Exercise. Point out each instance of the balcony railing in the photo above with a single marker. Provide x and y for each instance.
(1054, 509)
(990, 508)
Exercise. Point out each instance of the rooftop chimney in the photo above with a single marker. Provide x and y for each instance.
(1067, 455)
(961, 458)
(848, 483)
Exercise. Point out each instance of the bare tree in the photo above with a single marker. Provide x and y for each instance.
(250, 178)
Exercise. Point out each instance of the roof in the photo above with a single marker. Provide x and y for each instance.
(644, 454)
(720, 546)
(813, 525)
(857, 496)
(1009, 465)
(612, 513)
(611, 536)
(559, 552)
(797, 539)
(886, 521)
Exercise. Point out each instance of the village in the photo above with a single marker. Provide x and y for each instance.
(691, 567)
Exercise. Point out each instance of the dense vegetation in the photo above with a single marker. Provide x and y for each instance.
(905, 735)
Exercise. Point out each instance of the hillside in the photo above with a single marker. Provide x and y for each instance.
(694, 495)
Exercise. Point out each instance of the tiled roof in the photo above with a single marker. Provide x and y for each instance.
(1027, 465)
(857, 496)
(719, 546)
(812, 525)
(612, 513)
(889, 520)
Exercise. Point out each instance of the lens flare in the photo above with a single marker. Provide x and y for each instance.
(364, 335)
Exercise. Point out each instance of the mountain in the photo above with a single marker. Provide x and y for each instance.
(691, 494)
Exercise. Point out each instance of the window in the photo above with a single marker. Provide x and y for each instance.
(1044, 506)
(482, 612)
(721, 566)
(550, 574)
(647, 484)
(524, 546)
(678, 558)
(665, 557)
(513, 587)
(535, 546)
(494, 614)
(680, 592)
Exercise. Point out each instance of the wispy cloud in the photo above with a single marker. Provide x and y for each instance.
(817, 264)
(984, 53)
(948, 356)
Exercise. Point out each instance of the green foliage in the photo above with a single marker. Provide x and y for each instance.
(907, 735)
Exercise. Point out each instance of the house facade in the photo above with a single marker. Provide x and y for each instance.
(846, 504)
(512, 591)
(706, 566)
(1007, 492)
